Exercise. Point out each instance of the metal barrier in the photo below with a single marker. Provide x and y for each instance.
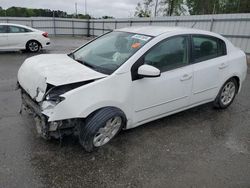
(236, 27)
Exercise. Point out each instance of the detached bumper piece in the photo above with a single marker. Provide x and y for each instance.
(41, 120)
(55, 129)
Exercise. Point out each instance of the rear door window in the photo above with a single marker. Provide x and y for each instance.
(15, 29)
(206, 47)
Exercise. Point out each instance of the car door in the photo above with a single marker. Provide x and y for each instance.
(155, 97)
(209, 66)
(17, 37)
(3, 37)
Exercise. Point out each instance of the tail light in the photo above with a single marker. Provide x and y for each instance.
(46, 34)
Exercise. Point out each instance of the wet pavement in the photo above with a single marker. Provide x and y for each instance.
(200, 147)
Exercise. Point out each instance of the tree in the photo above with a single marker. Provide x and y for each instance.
(107, 17)
(145, 9)
(172, 7)
(25, 12)
(162, 7)
(197, 7)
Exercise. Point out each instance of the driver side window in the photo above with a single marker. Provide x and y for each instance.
(169, 54)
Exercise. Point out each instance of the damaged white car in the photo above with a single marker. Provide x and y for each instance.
(129, 77)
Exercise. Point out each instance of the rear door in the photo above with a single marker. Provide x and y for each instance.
(3, 37)
(209, 66)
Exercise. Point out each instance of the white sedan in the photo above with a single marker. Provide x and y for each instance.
(129, 77)
(20, 37)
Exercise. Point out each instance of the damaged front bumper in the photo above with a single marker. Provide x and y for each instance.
(46, 129)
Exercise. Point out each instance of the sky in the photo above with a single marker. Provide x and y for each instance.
(96, 8)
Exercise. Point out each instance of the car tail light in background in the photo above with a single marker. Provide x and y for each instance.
(46, 34)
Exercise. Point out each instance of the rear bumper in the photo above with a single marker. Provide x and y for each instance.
(45, 42)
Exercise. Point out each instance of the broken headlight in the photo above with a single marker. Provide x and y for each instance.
(54, 98)
(54, 94)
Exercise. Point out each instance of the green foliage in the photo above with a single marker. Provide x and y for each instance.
(218, 6)
(107, 17)
(27, 12)
(163, 7)
(172, 7)
(143, 10)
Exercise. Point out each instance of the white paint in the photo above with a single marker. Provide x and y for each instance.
(148, 70)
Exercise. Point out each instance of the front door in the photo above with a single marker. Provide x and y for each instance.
(3, 37)
(155, 97)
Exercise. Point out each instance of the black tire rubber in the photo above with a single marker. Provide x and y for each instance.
(217, 102)
(96, 121)
(28, 49)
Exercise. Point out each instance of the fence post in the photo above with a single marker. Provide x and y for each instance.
(211, 24)
(103, 27)
(150, 22)
(54, 23)
(115, 24)
(130, 23)
(31, 22)
(176, 22)
(93, 28)
(73, 28)
(88, 28)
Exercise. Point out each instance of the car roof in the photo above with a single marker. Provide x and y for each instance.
(158, 30)
(13, 24)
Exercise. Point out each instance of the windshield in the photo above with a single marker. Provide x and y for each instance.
(110, 51)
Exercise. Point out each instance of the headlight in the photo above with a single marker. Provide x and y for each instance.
(55, 98)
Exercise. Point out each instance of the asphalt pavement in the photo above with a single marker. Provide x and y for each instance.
(200, 147)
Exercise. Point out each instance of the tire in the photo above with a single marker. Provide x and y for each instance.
(226, 94)
(100, 127)
(33, 46)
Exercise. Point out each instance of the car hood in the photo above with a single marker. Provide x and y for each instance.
(55, 69)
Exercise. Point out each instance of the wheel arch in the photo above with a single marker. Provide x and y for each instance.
(237, 78)
(33, 40)
(91, 113)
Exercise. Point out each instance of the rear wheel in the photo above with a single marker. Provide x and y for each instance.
(227, 94)
(101, 127)
(33, 46)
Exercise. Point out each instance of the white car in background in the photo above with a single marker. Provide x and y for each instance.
(20, 37)
(129, 77)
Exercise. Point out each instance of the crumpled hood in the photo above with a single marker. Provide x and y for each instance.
(55, 69)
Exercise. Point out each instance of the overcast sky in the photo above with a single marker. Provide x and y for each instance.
(96, 8)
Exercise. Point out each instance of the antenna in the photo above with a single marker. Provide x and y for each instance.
(85, 7)
(76, 9)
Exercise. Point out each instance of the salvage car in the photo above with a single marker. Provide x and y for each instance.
(128, 77)
(20, 37)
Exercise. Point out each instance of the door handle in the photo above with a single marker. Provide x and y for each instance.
(186, 77)
(223, 65)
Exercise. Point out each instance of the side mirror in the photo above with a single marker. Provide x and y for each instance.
(148, 71)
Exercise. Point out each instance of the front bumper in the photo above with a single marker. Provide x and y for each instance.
(41, 121)
(45, 129)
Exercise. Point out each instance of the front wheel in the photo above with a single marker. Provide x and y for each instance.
(101, 127)
(227, 94)
(33, 46)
